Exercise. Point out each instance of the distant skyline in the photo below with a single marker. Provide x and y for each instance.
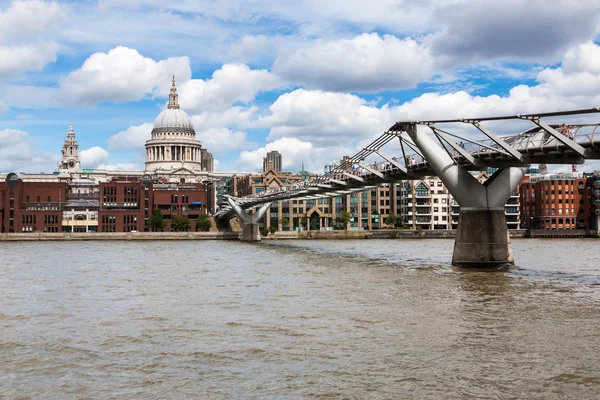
(314, 80)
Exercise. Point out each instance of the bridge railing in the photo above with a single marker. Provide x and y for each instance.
(356, 172)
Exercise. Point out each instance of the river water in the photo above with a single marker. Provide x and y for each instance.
(378, 319)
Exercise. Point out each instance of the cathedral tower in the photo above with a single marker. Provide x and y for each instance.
(70, 153)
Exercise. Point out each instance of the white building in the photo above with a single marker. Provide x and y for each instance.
(428, 204)
(173, 146)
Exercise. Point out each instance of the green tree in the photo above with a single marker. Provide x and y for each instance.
(180, 224)
(344, 219)
(157, 222)
(272, 229)
(391, 219)
(203, 222)
(284, 222)
(303, 222)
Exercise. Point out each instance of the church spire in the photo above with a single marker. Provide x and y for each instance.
(70, 140)
(173, 96)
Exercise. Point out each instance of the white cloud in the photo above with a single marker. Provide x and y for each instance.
(234, 116)
(250, 48)
(27, 19)
(220, 140)
(18, 153)
(230, 84)
(93, 157)
(133, 138)
(366, 63)
(576, 84)
(31, 57)
(324, 117)
(292, 150)
(121, 75)
(295, 153)
(534, 30)
(26, 30)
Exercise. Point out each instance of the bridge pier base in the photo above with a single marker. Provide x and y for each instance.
(250, 233)
(251, 230)
(482, 240)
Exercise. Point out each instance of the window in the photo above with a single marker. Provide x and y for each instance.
(435, 201)
(421, 190)
(439, 184)
(435, 209)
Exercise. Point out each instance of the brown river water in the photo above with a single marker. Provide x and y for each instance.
(363, 319)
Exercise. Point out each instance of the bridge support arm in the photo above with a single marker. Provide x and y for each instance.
(482, 239)
(251, 230)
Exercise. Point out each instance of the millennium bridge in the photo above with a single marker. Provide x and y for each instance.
(450, 149)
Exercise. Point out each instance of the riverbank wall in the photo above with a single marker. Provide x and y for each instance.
(325, 235)
(42, 236)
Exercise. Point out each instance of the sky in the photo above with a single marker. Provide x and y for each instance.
(315, 80)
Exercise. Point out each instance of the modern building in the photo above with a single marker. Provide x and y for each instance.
(272, 161)
(428, 204)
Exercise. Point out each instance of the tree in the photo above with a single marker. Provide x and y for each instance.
(272, 229)
(284, 222)
(156, 222)
(391, 219)
(203, 222)
(344, 219)
(180, 224)
(303, 221)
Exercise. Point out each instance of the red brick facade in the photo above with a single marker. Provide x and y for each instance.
(558, 203)
(32, 206)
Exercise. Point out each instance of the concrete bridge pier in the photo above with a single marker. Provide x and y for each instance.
(251, 230)
(482, 239)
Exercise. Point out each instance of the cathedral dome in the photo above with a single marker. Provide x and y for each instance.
(173, 118)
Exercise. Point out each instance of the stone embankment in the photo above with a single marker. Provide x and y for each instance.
(42, 236)
(375, 234)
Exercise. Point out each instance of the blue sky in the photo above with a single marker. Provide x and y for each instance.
(311, 79)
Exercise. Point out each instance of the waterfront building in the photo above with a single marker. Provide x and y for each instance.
(594, 184)
(556, 201)
(368, 209)
(31, 206)
(80, 212)
(428, 204)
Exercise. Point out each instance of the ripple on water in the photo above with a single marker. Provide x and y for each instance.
(299, 319)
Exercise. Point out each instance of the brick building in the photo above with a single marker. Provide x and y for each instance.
(123, 205)
(184, 200)
(126, 204)
(556, 201)
(31, 206)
